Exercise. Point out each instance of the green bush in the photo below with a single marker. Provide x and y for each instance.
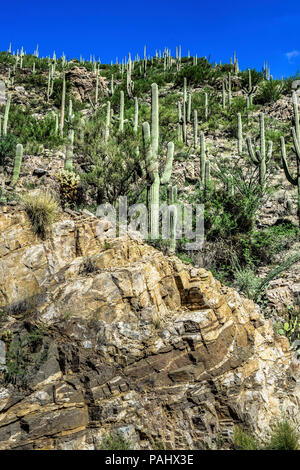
(8, 144)
(243, 441)
(284, 437)
(196, 74)
(114, 442)
(269, 92)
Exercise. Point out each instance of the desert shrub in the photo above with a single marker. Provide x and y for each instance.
(42, 210)
(256, 77)
(269, 92)
(284, 437)
(114, 442)
(246, 280)
(8, 144)
(88, 266)
(69, 188)
(243, 441)
(112, 168)
(29, 129)
(196, 74)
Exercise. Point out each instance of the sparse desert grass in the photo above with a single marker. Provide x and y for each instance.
(42, 210)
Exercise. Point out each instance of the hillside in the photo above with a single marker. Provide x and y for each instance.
(108, 332)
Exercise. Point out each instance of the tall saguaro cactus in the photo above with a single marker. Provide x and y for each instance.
(63, 100)
(6, 113)
(295, 181)
(136, 115)
(240, 134)
(151, 143)
(202, 158)
(261, 157)
(121, 121)
(17, 164)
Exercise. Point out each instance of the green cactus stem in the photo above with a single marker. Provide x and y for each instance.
(108, 120)
(260, 158)
(295, 181)
(6, 114)
(202, 158)
(240, 134)
(195, 129)
(17, 164)
(136, 115)
(62, 111)
(121, 122)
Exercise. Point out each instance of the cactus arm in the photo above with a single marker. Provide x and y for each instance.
(269, 151)
(62, 113)
(165, 178)
(288, 175)
(151, 160)
(251, 152)
(296, 142)
(296, 114)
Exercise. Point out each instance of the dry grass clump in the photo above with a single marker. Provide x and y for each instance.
(42, 210)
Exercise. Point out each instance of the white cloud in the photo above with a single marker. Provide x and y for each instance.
(291, 55)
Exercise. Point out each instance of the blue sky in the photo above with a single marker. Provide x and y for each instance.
(257, 30)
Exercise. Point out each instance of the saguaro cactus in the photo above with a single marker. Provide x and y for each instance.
(6, 113)
(205, 106)
(250, 90)
(228, 88)
(108, 120)
(121, 121)
(152, 165)
(202, 158)
(63, 100)
(240, 134)
(136, 115)
(295, 181)
(260, 157)
(195, 129)
(17, 164)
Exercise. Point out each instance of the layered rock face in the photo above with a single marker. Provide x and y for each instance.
(129, 340)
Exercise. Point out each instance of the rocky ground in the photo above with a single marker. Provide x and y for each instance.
(141, 340)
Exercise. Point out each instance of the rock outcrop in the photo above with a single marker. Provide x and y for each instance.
(112, 335)
(83, 82)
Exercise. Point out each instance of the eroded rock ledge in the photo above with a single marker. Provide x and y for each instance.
(144, 344)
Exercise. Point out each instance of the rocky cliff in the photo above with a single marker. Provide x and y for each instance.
(101, 334)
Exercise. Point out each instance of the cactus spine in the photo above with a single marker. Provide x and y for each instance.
(261, 157)
(17, 164)
(296, 140)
